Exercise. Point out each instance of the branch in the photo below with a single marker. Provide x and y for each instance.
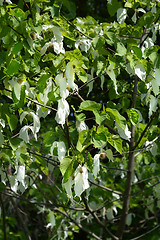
(112, 168)
(29, 8)
(77, 224)
(96, 218)
(146, 35)
(36, 102)
(16, 31)
(42, 105)
(105, 188)
(72, 25)
(67, 134)
(146, 128)
(91, 80)
(126, 196)
(47, 158)
(146, 233)
(3, 218)
(128, 36)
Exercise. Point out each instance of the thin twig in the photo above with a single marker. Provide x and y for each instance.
(42, 105)
(128, 36)
(96, 218)
(112, 168)
(16, 31)
(77, 224)
(72, 25)
(146, 128)
(105, 188)
(91, 80)
(146, 233)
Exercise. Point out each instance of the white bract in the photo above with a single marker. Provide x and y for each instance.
(56, 41)
(23, 134)
(20, 173)
(96, 164)
(68, 187)
(51, 219)
(84, 44)
(35, 128)
(16, 83)
(62, 112)
(61, 82)
(80, 180)
(121, 15)
(110, 72)
(81, 126)
(152, 105)
(44, 97)
(36, 122)
(140, 71)
(70, 76)
(13, 183)
(125, 134)
(61, 148)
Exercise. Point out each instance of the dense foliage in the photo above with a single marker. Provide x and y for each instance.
(79, 120)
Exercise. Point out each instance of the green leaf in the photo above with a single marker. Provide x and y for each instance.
(137, 51)
(113, 6)
(121, 50)
(90, 106)
(83, 140)
(81, 73)
(37, 57)
(98, 42)
(49, 137)
(42, 83)
(117, 117)
(12, 121)
(98, 139)
(133, 116)
(116, 142)
(17, 48)
(109, 154)
(80, 117)
(19, 103)
(13, 67)
(15, 142)
(71, 9)
(66, 167)
(100, 117)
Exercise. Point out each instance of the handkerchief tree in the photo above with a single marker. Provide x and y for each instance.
(79, 121)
